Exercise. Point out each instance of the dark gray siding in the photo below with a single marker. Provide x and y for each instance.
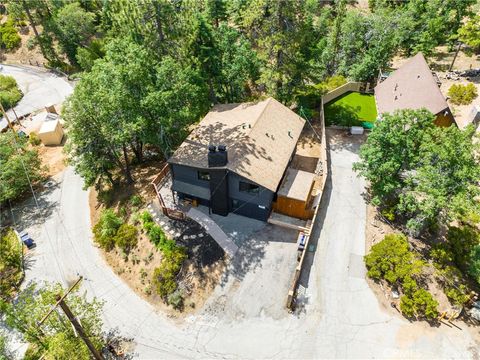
(256, 206)
(188, 175)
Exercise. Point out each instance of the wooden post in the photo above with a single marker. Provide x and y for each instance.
(76, 325)
(96, 354)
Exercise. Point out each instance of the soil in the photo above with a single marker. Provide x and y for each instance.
(375, 230)
(22, 55)
(53, 157)
(442, 58)
(200, 273)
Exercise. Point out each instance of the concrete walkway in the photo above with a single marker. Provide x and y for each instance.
(214, 230)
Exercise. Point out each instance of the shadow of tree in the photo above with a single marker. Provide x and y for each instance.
(30, 213)
(115, 343)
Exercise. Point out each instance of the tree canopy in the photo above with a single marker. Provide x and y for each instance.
(420, 171)
(19, 164)
(55, 338)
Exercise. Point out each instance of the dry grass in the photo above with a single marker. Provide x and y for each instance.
(137, 268)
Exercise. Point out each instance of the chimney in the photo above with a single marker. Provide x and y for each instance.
(217, 158)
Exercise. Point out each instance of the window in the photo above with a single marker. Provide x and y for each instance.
(204, 175)
(247, 187)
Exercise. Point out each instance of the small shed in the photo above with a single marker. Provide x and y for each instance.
(51, 131)
(294, 194)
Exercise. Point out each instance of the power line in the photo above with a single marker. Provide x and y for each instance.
(15, 137)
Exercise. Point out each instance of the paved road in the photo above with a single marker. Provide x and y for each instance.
(244, 318)
(39, 87)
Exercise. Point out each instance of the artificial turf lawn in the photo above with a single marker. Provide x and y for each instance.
(350, 109)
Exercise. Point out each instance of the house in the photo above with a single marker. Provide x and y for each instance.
(236, 158)
(413, 86)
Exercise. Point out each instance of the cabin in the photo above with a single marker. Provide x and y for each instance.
(413, 86)
(237, 160)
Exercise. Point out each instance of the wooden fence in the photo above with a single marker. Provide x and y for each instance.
(324, 159)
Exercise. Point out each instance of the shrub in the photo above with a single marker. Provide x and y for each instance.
(420, 303)
(474, 268)
(34, 139)
(31, 43)
(9, 35)
(126, 237)
(156, 234)
(136, 200)
(176, 299)
(146, 217)
(458, 295)
(106, 229)
(10, 94)
(164, 276)
(462, 94)
(392, 260)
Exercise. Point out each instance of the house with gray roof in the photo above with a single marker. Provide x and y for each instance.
(236, 158)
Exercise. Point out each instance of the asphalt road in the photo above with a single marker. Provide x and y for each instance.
(339, 316)
(39, 86)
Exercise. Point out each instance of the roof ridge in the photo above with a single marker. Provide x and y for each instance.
(267, 103)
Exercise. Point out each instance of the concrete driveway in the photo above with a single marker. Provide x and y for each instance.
(39, 86)
(244, 318)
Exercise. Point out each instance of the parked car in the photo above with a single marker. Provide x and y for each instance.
(27, 240)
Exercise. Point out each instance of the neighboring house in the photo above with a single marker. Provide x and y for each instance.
(413, 86)
(236, 158)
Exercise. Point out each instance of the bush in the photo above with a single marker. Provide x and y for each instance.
(462, 94)
(156, 234)
(34, 139)
(392, 260)
(420, 304)
(106, 229)
(126, 237)
(31, 43)
(176, 299)
(474, 268)
(9, 35)
(10, 94)
(136, 200)
(146, 217)
(309, 97)
(164, 277)
(457, 295)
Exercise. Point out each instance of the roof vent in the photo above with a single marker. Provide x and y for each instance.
(290, 134)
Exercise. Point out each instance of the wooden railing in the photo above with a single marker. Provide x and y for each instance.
(158, 182)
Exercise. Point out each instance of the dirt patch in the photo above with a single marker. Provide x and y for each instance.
(53, 157)
(375, 230)
(200, 273)
(442, 58)
(22, 55)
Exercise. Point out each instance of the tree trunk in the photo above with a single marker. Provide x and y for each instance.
(128, 174)
(158, 21)
(30, 19)
(213, 97)
(137, 148)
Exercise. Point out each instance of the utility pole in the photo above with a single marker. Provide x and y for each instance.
(76, 325)
(8, 121)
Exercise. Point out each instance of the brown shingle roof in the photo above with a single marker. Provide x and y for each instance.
(260, 138)
(412, 86)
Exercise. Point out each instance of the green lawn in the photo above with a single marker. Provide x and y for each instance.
(350, 109)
